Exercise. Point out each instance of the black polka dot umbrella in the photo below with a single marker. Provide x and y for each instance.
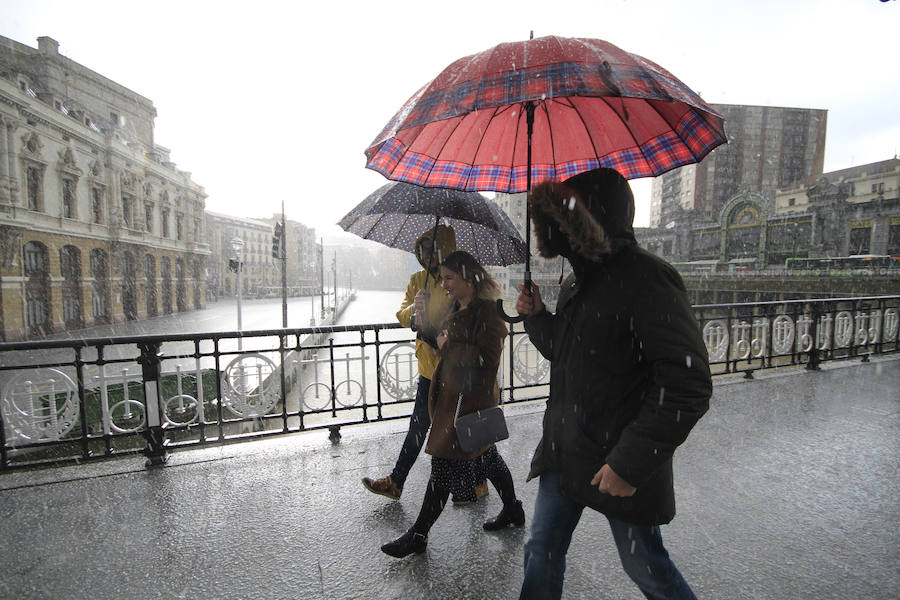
(397, 213)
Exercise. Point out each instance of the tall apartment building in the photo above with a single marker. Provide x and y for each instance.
(96, 223)
(768, 149)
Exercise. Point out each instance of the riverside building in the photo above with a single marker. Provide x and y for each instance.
(97, 225)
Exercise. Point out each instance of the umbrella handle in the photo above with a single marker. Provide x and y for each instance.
(506, 317)
(516, 318)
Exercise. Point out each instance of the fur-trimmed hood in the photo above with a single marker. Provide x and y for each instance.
(584, 217)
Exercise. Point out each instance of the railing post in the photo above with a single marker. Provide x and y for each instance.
(512, 366)
(813, 364)
(334, 433)
(150, 366)
(331, 364)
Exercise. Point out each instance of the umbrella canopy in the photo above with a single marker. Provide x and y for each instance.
(396, 214)
(593, 105)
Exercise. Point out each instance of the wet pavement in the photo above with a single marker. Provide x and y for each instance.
(786, 489)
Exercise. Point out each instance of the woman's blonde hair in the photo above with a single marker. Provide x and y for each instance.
(465, 265)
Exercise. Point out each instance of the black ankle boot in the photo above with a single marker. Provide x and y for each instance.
(512, 514)
(406, 544)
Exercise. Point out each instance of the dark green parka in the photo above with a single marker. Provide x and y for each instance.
(629, 370)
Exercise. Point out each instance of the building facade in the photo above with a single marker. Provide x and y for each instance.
(851, 211)
(302, 269)
(97, 225)
(260, 269)
(769, 148)
(854, 211)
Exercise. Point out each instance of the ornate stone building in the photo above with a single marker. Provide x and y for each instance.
(97, 225)
(841, 213)
(850, 211)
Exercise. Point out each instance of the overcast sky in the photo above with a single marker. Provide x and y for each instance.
(268, 101)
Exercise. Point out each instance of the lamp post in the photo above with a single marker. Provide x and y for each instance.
(312, 302)
(322, 278)
(237, 244)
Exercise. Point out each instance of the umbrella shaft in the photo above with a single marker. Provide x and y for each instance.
(529, 122)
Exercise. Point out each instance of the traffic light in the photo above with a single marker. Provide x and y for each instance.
(278, 241)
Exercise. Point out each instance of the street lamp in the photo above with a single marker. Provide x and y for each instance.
(322, 278)
(237, 244)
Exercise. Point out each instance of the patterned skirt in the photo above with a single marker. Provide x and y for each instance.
(461, 476)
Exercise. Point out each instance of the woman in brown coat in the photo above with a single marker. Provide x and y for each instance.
(470, 343)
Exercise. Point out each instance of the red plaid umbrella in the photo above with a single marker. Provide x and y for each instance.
(593, 105)
(548, 108)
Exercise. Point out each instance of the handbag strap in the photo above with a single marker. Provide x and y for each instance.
(459, 403)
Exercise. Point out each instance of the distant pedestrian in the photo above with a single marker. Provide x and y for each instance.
(423, 308)
(470, 343)
(629, 379)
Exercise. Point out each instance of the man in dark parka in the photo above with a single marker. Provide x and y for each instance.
(629, 379)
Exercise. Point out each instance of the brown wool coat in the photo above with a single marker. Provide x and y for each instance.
(468, 367)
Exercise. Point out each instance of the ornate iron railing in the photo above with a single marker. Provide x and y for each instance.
(752, 336)
(82, 399)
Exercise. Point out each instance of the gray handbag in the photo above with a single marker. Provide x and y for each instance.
(480, 428)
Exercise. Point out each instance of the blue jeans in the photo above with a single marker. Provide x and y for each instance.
(641, 550)
(419, 423)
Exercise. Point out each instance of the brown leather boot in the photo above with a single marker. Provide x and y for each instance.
(384, 487)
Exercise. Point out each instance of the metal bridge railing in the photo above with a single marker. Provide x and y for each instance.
(73, 400)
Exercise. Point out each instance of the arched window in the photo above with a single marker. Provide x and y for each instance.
(129, 286)
(197, 279)
(150, 274)
(165, 273)
(179, 285)
(100, 286)
(37, 289)
(70, 269)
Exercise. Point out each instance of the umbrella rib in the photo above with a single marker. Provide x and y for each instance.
(400, 229)
(372, 228)
(437, 158)
(628, 129)
(496, 111)
(566, 101)
(698, 112)
(543, 106)
(672, 126)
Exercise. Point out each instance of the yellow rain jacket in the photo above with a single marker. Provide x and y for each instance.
(438, 304)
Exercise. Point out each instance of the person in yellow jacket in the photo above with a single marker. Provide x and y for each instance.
(423, 309)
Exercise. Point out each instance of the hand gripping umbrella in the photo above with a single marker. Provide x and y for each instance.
(397, 214)
(547, 108)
